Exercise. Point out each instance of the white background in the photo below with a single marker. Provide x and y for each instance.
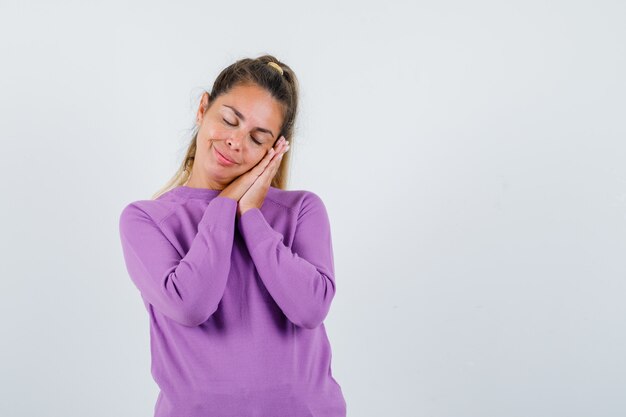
(471, 156)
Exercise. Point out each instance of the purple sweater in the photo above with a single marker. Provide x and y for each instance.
(236, 305)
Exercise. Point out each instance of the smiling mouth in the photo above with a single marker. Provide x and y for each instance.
(223, 158)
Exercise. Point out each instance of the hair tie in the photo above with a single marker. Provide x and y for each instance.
(276, 66)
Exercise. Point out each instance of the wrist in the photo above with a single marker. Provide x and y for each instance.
(243, 210)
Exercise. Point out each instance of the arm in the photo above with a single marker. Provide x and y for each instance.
(301, 279)
(186, 288)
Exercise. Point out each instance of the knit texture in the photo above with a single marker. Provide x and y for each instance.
(236, 305)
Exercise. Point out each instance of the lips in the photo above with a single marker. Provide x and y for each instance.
(225, 156)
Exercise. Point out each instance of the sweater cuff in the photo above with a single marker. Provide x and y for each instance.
(255, 229)
(220, 213)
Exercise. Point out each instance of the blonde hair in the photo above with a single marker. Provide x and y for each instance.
(283, 87)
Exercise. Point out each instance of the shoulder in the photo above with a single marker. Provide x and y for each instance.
(154, 211)
(296, 201)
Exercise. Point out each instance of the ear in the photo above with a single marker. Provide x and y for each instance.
(204, 104)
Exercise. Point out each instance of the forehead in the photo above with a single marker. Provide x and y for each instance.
(255, 103)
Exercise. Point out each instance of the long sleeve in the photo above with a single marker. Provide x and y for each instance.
(184, 287)
(301, 278)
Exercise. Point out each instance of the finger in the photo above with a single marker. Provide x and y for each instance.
(275, 154)
(280, 144)
(272, 154)
(271, 165)
(274, 168)
(271, 157)
(271, 170)
(264, 162)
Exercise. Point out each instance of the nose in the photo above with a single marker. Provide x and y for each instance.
(235, 140)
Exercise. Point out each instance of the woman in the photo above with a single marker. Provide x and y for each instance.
(236, 272)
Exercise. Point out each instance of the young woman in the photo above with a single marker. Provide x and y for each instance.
(236, 272)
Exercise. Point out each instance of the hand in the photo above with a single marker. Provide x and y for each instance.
(238, 187)
(255, 195)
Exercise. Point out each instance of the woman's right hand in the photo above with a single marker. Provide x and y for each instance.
(238, 187)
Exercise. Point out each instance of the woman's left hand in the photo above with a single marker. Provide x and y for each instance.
(255, 195)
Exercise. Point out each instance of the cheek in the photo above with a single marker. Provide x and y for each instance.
(252, 156)
(256, 154)
(212, 133)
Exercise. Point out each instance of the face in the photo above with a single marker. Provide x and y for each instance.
(241, 125)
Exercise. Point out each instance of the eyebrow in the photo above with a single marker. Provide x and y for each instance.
(261, 129)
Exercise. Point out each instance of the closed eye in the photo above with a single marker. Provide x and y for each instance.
(251, 137)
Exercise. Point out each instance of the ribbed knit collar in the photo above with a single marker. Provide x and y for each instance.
(207, 193)
(192, 192)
